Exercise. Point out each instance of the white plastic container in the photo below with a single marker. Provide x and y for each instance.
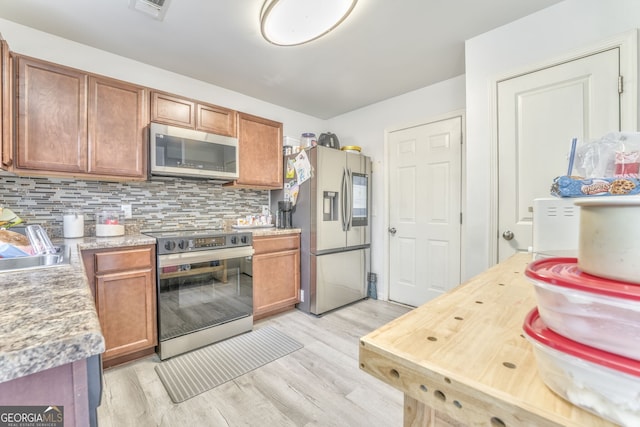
(73, 224)
(609, 237)
(109, 223)
(602, 383)
(594, 311)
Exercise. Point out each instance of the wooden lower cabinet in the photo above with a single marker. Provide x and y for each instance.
(124, 285)
(276, 274)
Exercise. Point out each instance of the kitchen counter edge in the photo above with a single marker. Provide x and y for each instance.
(266, 232)
(48, 316)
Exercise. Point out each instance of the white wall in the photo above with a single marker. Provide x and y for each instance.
(27, 41)
(366, 127)
(553, 32)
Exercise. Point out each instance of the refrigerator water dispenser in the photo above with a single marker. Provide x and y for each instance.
(330, 206)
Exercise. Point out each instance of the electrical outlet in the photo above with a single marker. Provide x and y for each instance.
(265, 210)
(127, 211)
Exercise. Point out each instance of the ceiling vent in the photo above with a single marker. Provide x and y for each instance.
(153, 8)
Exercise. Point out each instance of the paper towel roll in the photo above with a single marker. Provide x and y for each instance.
(73, 225)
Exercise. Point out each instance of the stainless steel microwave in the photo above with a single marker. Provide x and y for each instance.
(184, 152)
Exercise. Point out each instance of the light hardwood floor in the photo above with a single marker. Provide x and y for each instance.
(318, 385)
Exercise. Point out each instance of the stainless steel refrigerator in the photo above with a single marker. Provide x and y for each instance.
(333, 209)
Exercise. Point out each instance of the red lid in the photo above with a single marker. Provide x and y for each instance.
(564, 272)
(535, 328)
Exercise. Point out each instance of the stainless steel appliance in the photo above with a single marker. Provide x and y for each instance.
(203, 294)
(333, 211)
(177, 151)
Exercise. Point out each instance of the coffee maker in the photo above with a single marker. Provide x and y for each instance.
(284, 216)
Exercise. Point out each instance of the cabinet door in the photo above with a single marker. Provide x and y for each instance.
(6, 107)
(172, 110)
(276, 274)
(117, 116)
(127, 311)
(276, 281)
(52, 119)
(260, 152)
(218, 120)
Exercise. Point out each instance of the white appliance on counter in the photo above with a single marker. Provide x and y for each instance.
(556, 223)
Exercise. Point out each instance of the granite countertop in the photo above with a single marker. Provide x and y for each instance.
(48, 316)
(274, 231)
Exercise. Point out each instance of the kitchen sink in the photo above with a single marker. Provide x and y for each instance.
(61, 257)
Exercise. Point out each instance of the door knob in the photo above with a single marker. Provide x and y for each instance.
(392, 230)
(507, 235)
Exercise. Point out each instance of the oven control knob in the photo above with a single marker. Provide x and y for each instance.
(234, 240)
(182, 244)
(170, 245)
(244, 239)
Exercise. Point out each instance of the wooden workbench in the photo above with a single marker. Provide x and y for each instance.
(462, 358)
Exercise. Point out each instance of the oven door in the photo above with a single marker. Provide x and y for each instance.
(202, 290)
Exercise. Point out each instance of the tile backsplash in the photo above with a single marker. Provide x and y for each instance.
(160, 203)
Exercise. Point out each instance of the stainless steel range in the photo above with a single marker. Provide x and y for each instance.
(203, 294)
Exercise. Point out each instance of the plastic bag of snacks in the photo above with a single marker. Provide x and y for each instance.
(568, 186)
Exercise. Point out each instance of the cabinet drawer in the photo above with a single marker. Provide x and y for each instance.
(129, 259)
(285, 242)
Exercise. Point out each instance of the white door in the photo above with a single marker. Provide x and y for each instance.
(424, 210)
(538, 115)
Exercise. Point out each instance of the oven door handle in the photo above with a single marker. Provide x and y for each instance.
(170, 260)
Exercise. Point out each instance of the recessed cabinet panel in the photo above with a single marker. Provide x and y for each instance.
(52, 121)
(260, 150)
(276, 274)
(221, 121)
(117, 128)
(172, 110)
(125, 306)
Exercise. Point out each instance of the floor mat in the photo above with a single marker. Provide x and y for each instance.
(190, 374)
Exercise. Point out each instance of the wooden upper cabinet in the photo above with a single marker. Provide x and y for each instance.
(213, 119)
(260, 153)
(174, 110)
(73, 123)
(52, 117)
(117, 142)
(6, 106)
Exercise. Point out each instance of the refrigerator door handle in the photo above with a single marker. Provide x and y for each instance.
(349, 207)
(343, 200)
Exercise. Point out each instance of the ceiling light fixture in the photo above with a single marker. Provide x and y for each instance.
(294, 22)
